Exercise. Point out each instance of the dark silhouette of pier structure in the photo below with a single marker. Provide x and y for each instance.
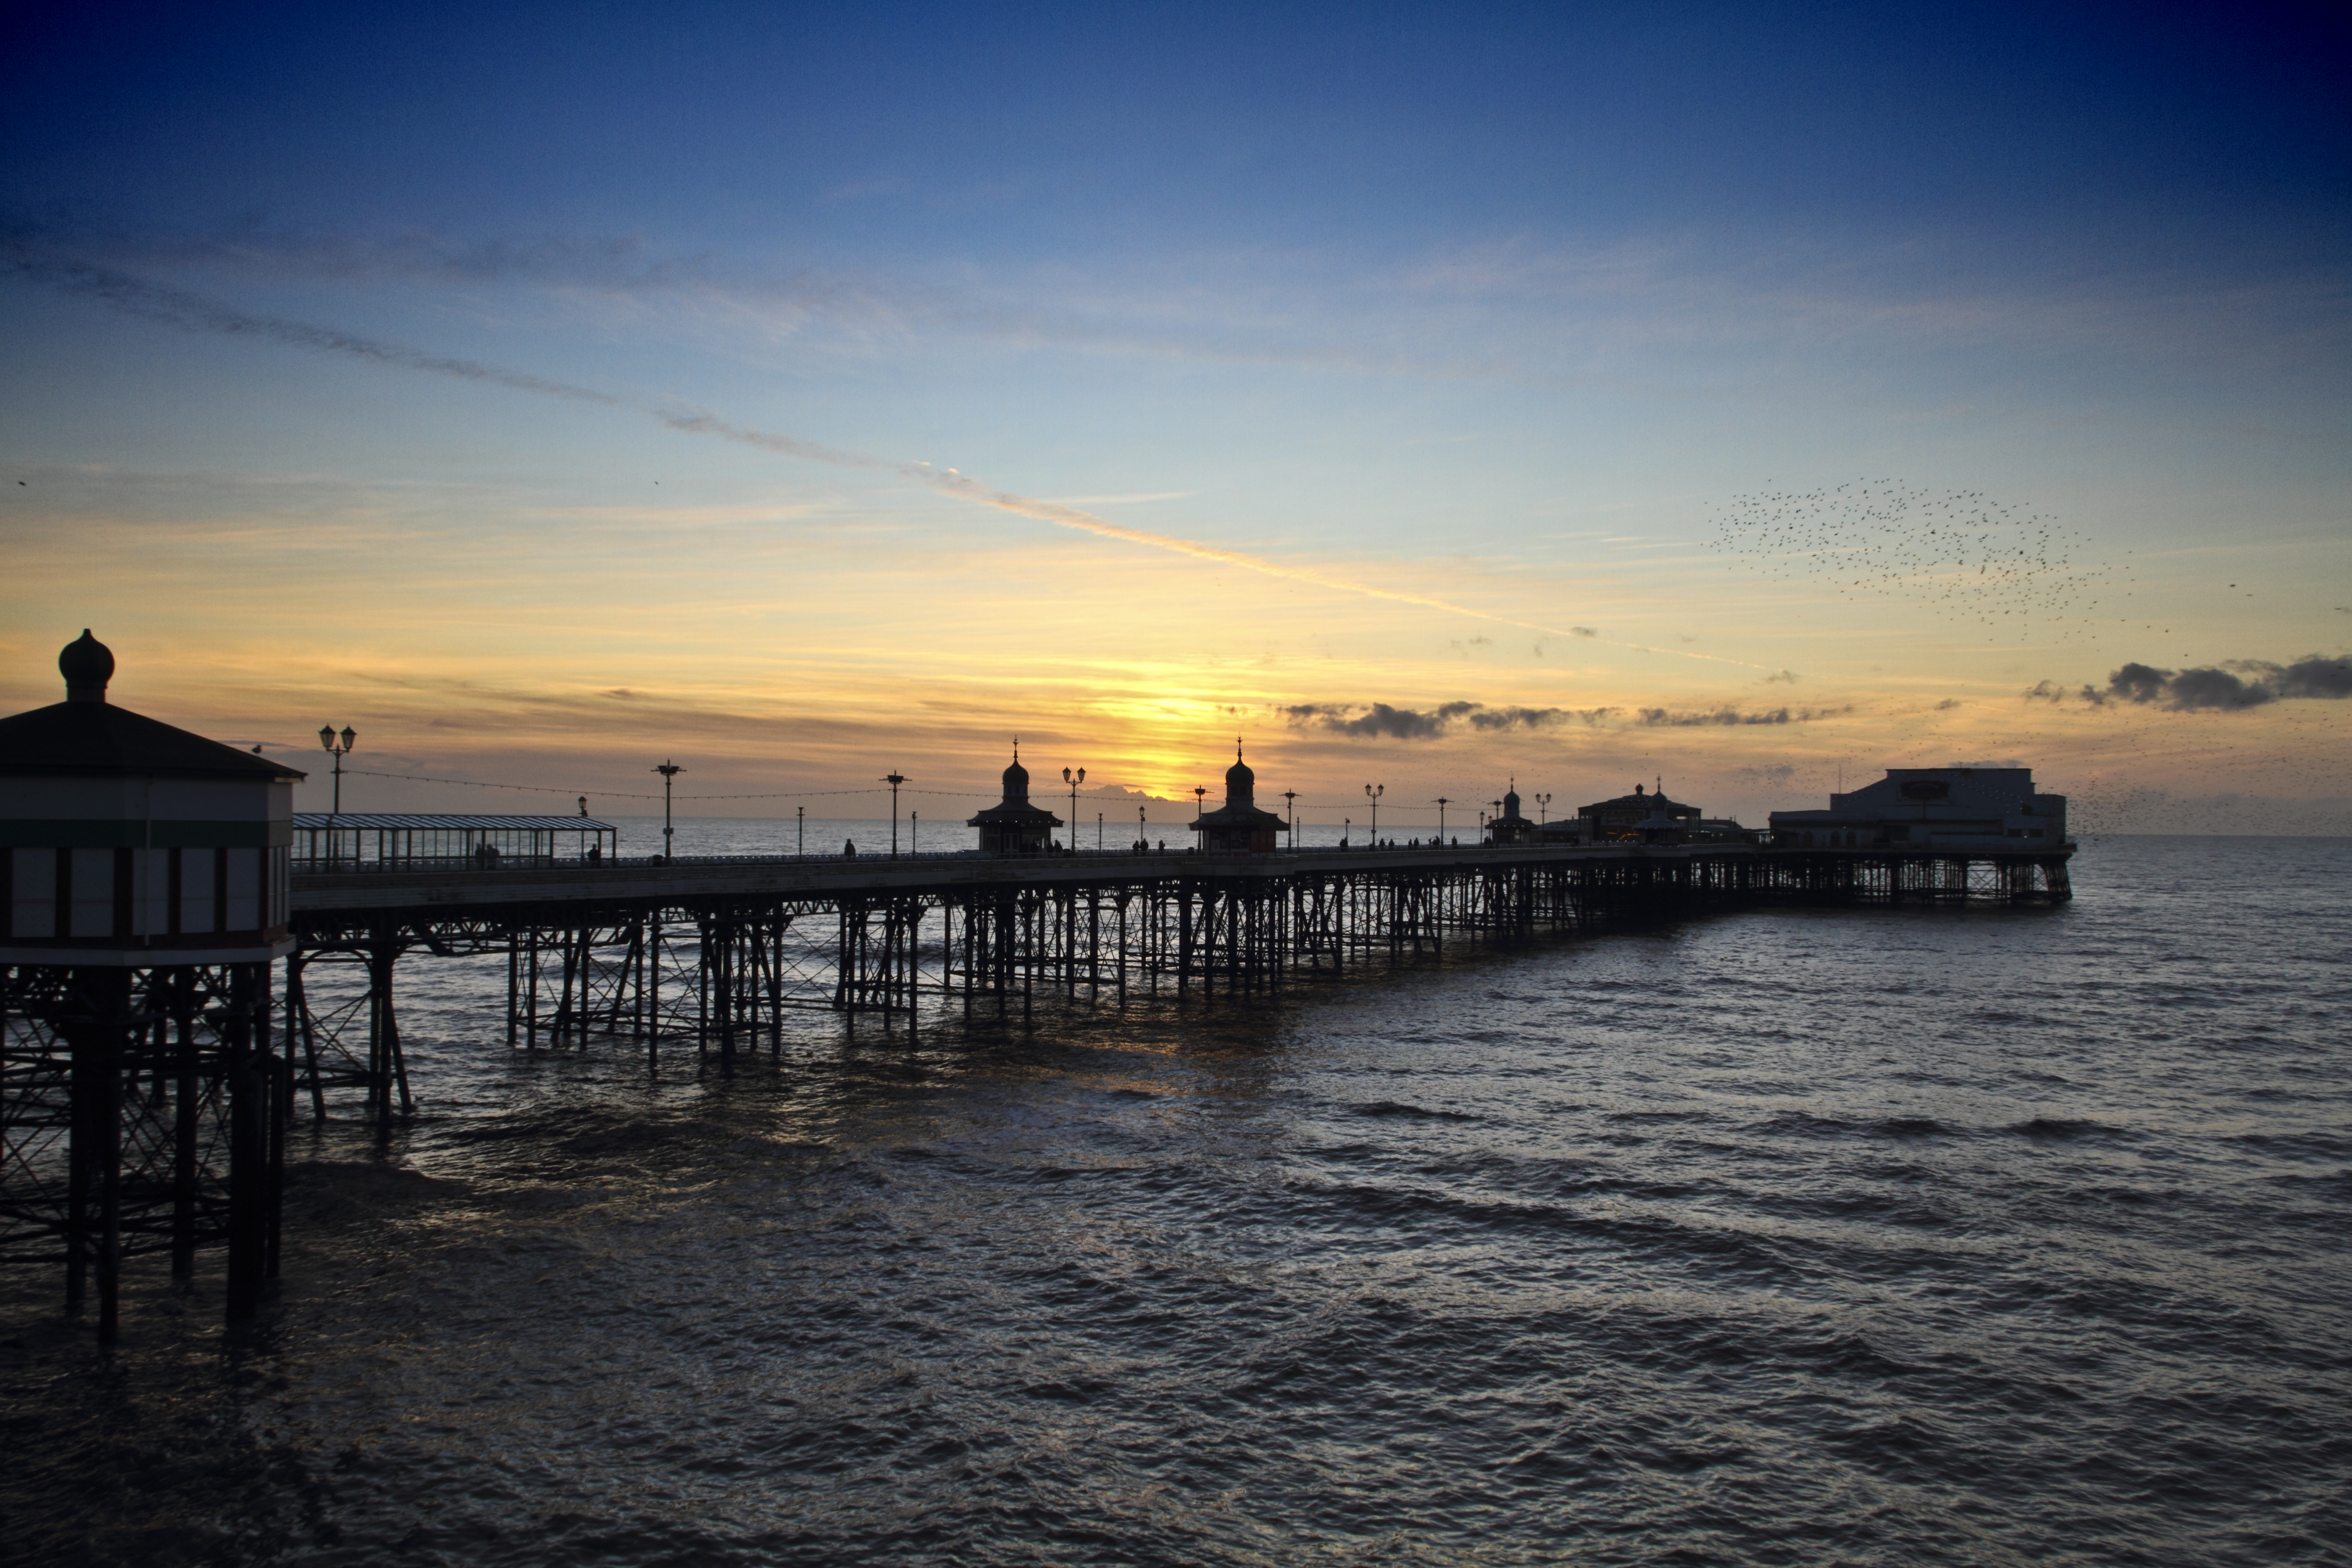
(178, 993)
(712, 956)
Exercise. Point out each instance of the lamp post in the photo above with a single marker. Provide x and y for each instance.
(1290, 805)
(1347, 825)
(1199, 799)
(326, 738)
(1543, 802)
(1099, 832)
(1073, 780)
(669, 770)
(800, 830)
(894, 780)
(915, 834)
(1142, 832)
(1373, 793)
(1440, 821)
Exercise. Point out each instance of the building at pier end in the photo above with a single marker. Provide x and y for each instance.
(1955, 806)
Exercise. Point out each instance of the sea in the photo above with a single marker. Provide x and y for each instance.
(1794, 1236)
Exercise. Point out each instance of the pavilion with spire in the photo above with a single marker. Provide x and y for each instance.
(1511, 827)
(1013, 827)
(1239, 824)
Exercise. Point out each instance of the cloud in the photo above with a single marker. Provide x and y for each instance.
(1583, 632)
(1948, 704)
(1771, 774)
(2313, 676)
(2226, 689)
(1384, 719)
(1785, 677)
(1668, 717)
(2047, 690)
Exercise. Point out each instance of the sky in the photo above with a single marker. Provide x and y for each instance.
(1749, 398)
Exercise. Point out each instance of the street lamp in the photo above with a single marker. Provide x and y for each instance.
(1373, 793)
(915, 834)
(894, 780)
(1199, 799)
(1542, 801)
(1073, 780)
(327, 739)
(1142, 832)
(1290, 799)
(669, 770)
(800, 830)
(1441, 820)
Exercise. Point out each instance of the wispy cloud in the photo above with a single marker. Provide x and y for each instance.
(191, 312)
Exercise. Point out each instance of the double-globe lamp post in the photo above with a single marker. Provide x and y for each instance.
(326, 738)
(1440, 821)
(1073, 780)
(669, 770)
(894, 780)
(1373, 793)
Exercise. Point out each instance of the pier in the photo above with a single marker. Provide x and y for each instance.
(148, 1110)
(190, 970)
(712, 955)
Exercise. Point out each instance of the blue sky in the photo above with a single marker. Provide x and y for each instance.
(1502, 310)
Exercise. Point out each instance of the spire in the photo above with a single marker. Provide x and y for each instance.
(1016, 779)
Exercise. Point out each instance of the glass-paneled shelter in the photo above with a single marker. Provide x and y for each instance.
(355, 840)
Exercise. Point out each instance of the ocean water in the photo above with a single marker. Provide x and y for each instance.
(1787, 1237)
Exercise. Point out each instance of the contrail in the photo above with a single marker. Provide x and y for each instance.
(949, 481)
(193, 312)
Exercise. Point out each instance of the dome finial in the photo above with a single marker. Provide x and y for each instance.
(88, 664)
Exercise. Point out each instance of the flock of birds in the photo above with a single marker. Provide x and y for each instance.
(1956, 553)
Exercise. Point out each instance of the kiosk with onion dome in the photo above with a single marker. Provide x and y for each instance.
(143, 893)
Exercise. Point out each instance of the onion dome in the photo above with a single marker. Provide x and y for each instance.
(88, 664)
(1511, 802)
(1016, 780)
(1241, 784)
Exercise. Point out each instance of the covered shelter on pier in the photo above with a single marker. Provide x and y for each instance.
(127, 841)
(1511, 827)
(1641, 817)
(354, 840)
(1013, 825)
(1239, 824)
